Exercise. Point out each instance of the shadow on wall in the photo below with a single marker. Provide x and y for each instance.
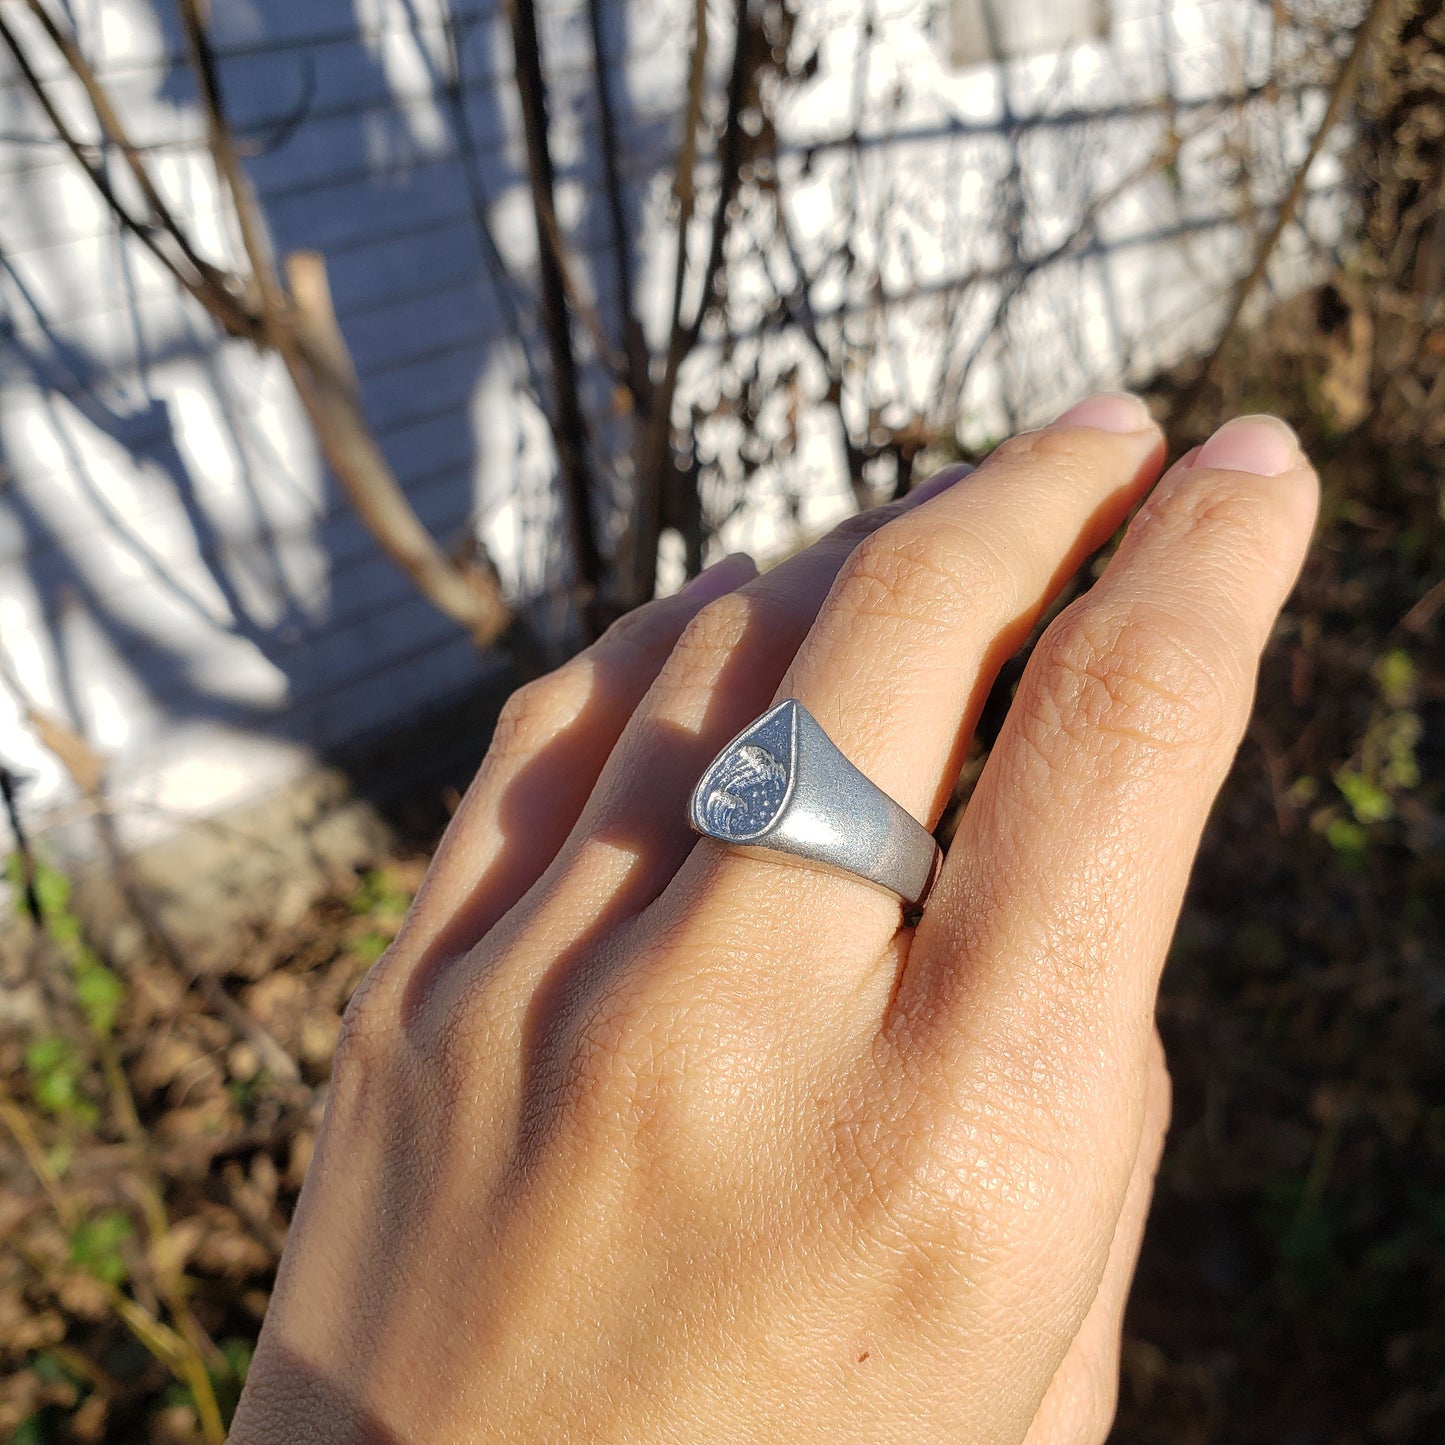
(205, 573)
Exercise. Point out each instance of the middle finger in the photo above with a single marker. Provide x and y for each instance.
(913, 632)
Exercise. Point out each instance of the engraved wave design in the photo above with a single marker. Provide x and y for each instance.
(745, 791)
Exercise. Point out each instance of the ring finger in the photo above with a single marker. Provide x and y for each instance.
(554, 738)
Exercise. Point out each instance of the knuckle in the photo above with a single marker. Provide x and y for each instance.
(1064, 450)
(1131, 678)
(539, 709)
(658, 1074)
(708, 640)
(1227, 508)
(638, 619)
(898, 572)
(720, 625)
(643, 633)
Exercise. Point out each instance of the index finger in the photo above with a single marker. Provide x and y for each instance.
(1039, 954)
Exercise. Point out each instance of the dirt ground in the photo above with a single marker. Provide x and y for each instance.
(1291, 1285)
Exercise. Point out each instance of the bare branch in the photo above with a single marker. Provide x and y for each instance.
(228, 162)
(576, 298)
(799, 303)
(321, 368)
(650, 450)
(684, 180)
(634, 338)
(305, 335)
(653, 460)
(1340, 92)
(207, 287)
(569, 426)
(455, 86)
(23, 851)
(730, 161)
(114, 131)
(302, 327)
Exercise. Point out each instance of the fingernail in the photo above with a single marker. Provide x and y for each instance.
(1263, 445)
(721, 578)
(1115, 411)
(938, 482)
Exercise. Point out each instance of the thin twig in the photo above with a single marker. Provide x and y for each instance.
(585, 311)
(654, 460)
(577, 299)
(799, 303)
(684, 174)
(23, 851)
(633, 336)
(1340, 92)
(1419, 617)
(228, 162)
(638, 549)
(730, 161)
(221, 305)
(114, 131)
(23, 1132)
(455, 87)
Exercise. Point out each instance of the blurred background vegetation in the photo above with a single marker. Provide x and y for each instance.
(158, 1108)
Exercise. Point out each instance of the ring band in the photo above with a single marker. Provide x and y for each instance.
(782, 786)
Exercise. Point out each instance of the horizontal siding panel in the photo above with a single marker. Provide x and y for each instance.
(237, 36)
(82, 217)
(340, 101)
(401, 694)
(349, 558)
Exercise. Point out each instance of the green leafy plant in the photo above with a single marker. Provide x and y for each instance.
(95, 1245)
(1385, 765)
(383, 904)
(370, 945)
(98, 991)
(378, 896)
(56, 1069)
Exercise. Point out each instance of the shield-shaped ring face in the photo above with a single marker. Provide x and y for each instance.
(743, 792)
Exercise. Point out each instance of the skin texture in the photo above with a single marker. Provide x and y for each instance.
(634, 1138)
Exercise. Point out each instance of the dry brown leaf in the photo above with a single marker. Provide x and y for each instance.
(228, 1248)
(170, 1254)
(278, 1003)
(82, 1295)
(164, 1060)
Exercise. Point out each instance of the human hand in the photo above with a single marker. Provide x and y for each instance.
(634, 1138)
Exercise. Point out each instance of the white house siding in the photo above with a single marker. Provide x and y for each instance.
(179, 576)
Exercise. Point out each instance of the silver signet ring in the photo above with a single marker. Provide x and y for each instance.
(782, 786)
